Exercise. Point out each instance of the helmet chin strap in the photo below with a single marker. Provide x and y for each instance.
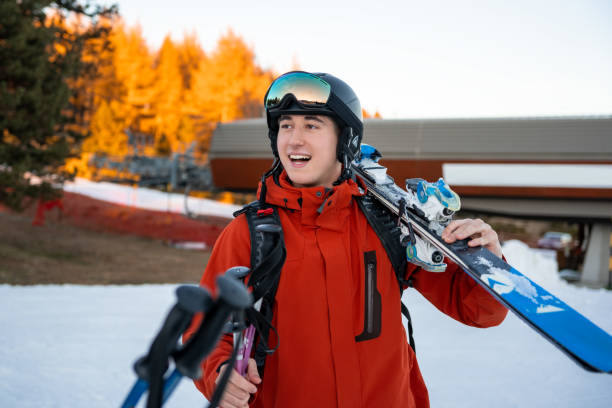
(273, 171)
(346, 155)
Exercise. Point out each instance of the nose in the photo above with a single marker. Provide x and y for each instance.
(297, 137)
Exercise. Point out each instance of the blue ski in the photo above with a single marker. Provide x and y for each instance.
(425, 208)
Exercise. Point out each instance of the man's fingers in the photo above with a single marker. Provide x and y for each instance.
(482, 235)
(231, 400)
(242, 383)
(450, 232)
(238, 382)
(476, 242)
(470, 229)
(237, 392)
(453, 225)
(466, 229)
(252, 372)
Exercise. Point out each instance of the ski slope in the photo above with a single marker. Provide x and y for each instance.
(149, 199)
(73, 346)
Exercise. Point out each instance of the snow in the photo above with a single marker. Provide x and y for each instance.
(149, 199)
(73, 346)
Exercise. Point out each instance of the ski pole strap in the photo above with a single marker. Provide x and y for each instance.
(218, 393)
(263, 326)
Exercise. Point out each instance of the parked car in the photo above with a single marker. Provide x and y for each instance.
(555, 240)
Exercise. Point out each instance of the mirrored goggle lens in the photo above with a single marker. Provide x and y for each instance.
(308, 89)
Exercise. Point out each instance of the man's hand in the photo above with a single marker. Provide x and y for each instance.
(239, 388)
(480, 232)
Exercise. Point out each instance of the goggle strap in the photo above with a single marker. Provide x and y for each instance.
(345, 114)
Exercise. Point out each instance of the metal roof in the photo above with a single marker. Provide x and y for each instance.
(582, 138)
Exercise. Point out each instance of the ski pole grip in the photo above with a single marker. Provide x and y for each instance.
(232, 296)
(238, 272)
(193, 299)
(190, 300)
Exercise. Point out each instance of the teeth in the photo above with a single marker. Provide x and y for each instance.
(298, 157)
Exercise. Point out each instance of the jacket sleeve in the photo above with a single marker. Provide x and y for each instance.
(232, 248)
(458, 295)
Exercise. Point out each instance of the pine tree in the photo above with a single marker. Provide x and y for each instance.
(39, 56)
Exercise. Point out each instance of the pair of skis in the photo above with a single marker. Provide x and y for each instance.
(424, 210)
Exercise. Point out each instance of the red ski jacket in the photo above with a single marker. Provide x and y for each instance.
(320, 308)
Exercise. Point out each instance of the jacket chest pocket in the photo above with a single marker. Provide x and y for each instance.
(372, 314)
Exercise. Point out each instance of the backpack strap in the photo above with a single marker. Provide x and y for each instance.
(268, 255)
(385, 225)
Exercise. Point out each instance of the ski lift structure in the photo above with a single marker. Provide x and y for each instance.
(179, 172)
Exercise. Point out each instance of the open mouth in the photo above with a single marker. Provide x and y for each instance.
(299, 158)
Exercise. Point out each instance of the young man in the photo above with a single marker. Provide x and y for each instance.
(327, 354)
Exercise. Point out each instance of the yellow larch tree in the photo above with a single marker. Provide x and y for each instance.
(191, 56)
(229, 85)
(134, 71)
(192, 126)
(168, 98)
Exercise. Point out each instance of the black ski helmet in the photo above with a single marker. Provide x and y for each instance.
(300, 92)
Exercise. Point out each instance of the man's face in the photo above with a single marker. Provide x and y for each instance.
(307, 149)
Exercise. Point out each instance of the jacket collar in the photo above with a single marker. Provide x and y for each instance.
(316, 204)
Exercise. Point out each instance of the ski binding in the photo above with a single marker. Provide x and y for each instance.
(434, 203)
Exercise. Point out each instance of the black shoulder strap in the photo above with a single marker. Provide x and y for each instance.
(267, 247)
(385, 225)
(268, 255)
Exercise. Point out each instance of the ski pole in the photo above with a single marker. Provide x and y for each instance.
(233, 297)
(190, 300)
(244, 353)
(240, 341)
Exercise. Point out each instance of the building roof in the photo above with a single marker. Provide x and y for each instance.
(581, 138)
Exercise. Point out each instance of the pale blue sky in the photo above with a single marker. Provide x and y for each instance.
(420, 59)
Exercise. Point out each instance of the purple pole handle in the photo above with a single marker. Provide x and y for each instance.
(244, 353)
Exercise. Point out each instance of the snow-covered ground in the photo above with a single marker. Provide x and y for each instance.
(73, 346)
(149, 199)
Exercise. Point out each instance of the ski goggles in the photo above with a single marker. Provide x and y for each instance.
(308, 89)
